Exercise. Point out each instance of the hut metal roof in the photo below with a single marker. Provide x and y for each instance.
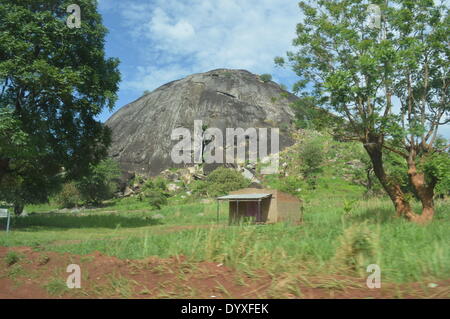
(243, 197)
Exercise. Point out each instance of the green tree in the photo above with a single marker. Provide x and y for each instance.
(100, 183)
(389, 81)
(309, 116)
(54, 81)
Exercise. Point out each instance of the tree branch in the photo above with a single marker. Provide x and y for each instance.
(404, 155)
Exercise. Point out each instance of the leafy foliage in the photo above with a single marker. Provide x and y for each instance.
(100, 183)
(199, 188)
(265, 77)
(312, 156)
(309, 116)
(54, 81)
(154, 191)
(361, 71)
(438, 165)
(223, 180)
(69, 196)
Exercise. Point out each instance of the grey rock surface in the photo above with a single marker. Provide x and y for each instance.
(223, 98)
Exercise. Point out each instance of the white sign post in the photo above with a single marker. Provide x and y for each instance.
(4, 213)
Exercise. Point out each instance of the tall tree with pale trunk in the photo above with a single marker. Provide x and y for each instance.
(383, 66)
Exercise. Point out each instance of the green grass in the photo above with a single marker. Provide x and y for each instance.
(404, 251)
(11, 258)
(56, 287)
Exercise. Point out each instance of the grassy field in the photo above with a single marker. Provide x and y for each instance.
(337, 237)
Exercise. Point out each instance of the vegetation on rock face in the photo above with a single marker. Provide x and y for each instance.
(360, 71)
(265, 77)
(54, 81)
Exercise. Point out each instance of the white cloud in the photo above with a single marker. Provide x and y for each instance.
(151, 77)
(178, 38)
(161, 25)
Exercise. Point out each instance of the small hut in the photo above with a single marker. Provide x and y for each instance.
(262, 206)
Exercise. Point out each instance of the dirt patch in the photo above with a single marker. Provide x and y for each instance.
(39, 274)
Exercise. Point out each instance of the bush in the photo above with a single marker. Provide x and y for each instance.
(265, 77)
(156, 198)
(154, 191)
(68, 197)
(101, 183)
(160, 183)
(291, 185)
(223, 180)
(199, 188)
(312, 156)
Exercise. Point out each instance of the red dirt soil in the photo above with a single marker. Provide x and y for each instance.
(39, 274)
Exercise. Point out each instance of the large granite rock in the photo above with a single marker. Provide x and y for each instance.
(223, 98)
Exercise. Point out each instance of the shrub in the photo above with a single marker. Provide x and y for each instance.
(312, 156)
(160, 183)
(154, 191)
(265, 77)
(223, 180)
(291, 184)
(199, 188)
(100, 184)
(156, 198)
(68, 197)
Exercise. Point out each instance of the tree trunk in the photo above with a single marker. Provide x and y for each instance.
(369, 180)
(425, 192)
(4, 166)
(18, 209)
(402, 206)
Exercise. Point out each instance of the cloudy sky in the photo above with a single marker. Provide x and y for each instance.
(159, 41)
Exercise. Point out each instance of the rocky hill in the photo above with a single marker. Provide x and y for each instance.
(222, 98)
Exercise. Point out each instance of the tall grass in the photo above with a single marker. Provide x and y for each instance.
(404, 251)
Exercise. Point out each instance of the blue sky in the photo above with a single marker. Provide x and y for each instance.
(159, 41)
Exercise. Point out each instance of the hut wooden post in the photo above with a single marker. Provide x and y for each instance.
(218, 207)
(259, 212)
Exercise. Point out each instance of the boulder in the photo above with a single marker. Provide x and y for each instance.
(223, 98)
